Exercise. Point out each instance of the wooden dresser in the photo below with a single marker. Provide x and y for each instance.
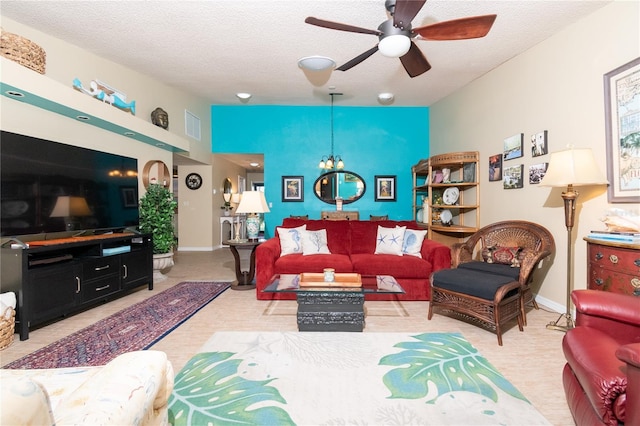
(613, 266)
(340, 215)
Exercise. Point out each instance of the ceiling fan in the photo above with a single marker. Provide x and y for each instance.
(396, 34)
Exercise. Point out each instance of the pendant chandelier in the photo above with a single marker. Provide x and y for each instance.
(331, 162)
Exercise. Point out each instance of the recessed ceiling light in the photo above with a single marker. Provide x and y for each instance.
(316, 63)
(14, 94)
(385, 98)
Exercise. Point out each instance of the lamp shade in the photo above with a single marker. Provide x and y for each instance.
(70, 206)
(575, 167)
(253, 202)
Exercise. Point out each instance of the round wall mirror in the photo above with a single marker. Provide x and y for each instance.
(226, 190)
(347, 185)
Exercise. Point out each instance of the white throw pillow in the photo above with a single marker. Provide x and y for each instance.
(291, 240)
(413, 242)
(390, 240)
(314, 242)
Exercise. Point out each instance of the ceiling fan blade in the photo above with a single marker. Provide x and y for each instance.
(405, 11)
(414, 61)
(338, 26)
(355, 61)
(457, 29)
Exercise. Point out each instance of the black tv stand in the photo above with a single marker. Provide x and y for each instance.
(58, 277)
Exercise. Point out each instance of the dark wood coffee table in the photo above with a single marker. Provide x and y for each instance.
(332, 308)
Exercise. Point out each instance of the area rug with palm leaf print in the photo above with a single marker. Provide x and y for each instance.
(272, 378)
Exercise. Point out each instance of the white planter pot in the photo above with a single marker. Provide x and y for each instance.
(161, 263)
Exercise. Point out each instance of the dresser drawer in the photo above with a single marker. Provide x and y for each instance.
(608, 280)
(100, 267)
(615, 258)
(99, 288)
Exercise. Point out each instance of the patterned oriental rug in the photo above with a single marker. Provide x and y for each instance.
(316, 378)
(137, 327)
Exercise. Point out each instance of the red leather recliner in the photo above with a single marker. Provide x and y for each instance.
(602, 375)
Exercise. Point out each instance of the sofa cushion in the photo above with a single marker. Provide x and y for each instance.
(491, 268)
(364, 232)
(413, 242)
(338, 232)
(390, 240)
(314, 242)
(389, 264)
(470, 282)
(290, 239)
(298, 263)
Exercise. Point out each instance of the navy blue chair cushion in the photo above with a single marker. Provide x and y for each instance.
(473, 283)
(492, 268)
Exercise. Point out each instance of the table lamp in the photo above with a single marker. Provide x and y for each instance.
(571, 167)
(71, 208)
(253, 203)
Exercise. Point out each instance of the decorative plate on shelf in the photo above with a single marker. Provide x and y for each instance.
(450, 195)
(446, 217)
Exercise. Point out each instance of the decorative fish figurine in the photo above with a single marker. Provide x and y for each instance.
(100, 94)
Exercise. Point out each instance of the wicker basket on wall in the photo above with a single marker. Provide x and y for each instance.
(7, 328)
(23, 51)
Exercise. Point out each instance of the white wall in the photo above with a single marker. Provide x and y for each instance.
(555, 86)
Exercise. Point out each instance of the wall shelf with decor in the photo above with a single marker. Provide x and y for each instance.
(420, 173)
(23, 85)
(453, 201)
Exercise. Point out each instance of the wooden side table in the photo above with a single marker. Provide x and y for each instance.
(245, 280)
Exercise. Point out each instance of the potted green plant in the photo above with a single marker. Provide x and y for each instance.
(156, 210)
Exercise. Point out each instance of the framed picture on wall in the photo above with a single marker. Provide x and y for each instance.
(242, 184)
(495, 168)
(622, 127)
(385, 188)
(539, 144)
(292, 188)
(513, 146)
(512, 177)
(537, 172)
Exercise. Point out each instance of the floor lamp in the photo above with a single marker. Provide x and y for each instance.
(571, 167)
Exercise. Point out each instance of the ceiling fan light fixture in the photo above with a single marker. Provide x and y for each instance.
(316, 63)
(394, 46)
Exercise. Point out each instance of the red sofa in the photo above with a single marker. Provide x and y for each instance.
(602, 375)
(352, 245)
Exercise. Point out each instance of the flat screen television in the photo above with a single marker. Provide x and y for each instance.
(50, 187)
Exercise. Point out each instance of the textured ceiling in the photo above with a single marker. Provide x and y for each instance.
(217, 48)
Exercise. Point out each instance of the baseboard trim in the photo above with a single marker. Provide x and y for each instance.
(195, 248)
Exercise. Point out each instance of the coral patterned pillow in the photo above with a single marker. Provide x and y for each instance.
(314, 242)
(502, 255)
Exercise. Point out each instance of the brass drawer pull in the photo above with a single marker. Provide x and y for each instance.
(599, 281)
(635, 282)
(613, 259)
(599, 256)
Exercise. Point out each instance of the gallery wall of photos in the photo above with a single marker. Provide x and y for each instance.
(503, 169)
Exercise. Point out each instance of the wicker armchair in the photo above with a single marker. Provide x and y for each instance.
(492, 293)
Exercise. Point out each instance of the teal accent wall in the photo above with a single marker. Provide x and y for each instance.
(371, 140)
